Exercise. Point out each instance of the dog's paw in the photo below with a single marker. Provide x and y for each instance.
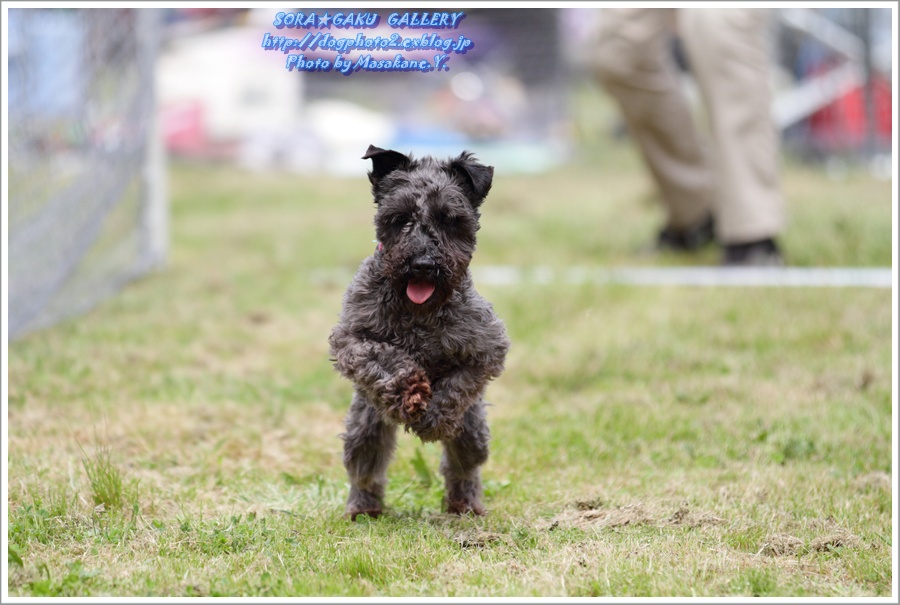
(434, 425)
(362, 503)
(426, 427)
(411, 398)
(353, 514)
(466, 507)
(416, 396)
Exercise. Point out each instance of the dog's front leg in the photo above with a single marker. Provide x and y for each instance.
(452, 395)
(460, 388)
(390, 379)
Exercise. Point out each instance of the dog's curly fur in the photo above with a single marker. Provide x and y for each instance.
(423, 364)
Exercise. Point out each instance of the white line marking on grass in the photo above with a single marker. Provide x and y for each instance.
(791, 277)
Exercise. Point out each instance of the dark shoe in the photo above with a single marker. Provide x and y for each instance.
(686, 240)
(761, 253)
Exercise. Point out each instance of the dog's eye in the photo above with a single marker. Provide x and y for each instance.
(399, 219)
(447, 219)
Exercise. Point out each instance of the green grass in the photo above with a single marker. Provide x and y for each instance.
(182, 438)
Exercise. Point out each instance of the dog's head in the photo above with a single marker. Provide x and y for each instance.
(426, 221)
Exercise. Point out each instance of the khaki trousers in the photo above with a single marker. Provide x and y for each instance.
(736, 177)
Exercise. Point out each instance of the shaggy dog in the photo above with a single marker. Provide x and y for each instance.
(418, 342)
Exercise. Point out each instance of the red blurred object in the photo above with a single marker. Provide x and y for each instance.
(841, 125)
(182, 125)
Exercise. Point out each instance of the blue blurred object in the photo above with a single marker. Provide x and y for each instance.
(428, 136)
(510, 156)
(48, 45)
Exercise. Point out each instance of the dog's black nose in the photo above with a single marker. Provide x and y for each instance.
(423, 266)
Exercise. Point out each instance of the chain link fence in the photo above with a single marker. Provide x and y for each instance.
(86, 183)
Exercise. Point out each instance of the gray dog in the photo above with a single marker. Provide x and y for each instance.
(415, 338)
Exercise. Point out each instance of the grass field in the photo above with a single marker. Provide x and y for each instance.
(182, 438)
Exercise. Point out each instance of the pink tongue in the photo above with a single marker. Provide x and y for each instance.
(419, 290)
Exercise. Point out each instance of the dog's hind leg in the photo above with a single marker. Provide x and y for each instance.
(368, 447)
(462, 460)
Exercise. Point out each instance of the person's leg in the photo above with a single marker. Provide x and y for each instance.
(632, 59)
(728, 52)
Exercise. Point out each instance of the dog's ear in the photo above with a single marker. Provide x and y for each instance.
(384, 162)
(477, 177)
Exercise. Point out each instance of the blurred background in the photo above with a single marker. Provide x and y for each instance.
(102, 100)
